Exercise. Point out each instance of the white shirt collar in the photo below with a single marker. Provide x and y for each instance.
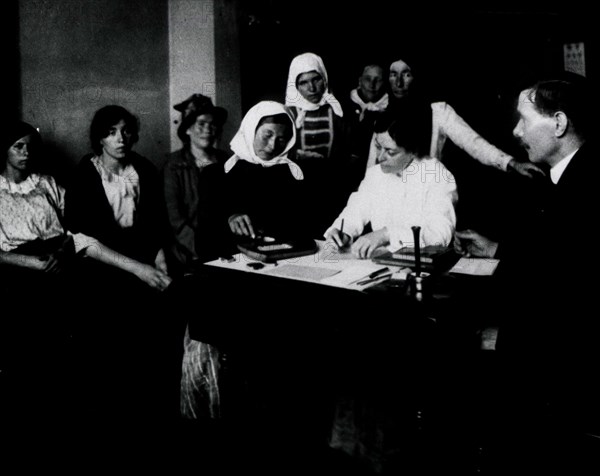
(557, 171)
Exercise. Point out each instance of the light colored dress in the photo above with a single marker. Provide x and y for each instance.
(33, 210)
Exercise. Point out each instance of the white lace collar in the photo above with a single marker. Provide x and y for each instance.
(22, 188)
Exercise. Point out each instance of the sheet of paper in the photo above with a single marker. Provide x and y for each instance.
(305, 273)
(475, 266)
(351, 274)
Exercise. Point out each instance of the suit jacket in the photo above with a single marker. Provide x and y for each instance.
(549, 326)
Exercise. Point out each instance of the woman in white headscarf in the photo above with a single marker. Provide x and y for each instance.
(264, 186)
(317, 112)
(321, 134)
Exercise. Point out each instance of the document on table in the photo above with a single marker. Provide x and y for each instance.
(304, 273)
(351, 274)
(476, 266)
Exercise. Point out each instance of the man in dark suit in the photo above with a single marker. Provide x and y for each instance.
(547, 343)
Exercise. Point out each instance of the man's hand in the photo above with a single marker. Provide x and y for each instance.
(469, 243)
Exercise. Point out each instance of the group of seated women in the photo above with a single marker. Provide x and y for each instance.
(123, 233)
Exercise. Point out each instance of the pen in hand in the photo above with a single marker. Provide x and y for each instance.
(339, 239)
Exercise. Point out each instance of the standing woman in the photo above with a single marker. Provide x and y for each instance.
(320, 128)
(116, 197)
(191, 179)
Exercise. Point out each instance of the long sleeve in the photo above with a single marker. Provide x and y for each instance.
(372, 153)
(439, 215)
(183, 223)
(356, 213)
(448, 124)
(425, 196)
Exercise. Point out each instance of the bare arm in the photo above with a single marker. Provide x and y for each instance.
(25, 261)
(153, 277)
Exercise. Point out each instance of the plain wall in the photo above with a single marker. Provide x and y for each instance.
(191, 55)
(204, 57)
(79, 55)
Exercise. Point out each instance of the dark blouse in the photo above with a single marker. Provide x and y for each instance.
(193, 198)
(271, 196)
(88, 211)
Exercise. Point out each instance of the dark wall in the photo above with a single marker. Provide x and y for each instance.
(79, 55)
(473, 58)
(462, 55)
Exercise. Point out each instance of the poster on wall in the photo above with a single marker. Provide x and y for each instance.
(574, 58)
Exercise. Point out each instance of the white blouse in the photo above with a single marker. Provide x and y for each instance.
(423, 195)
(122, 191)
(31, 210)
(447, 124)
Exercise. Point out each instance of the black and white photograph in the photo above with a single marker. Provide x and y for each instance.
(294, 238)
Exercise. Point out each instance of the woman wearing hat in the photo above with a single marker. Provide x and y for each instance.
(190, 178)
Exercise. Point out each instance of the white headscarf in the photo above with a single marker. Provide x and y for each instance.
(301, 64)
(377, 106)
(242, 143)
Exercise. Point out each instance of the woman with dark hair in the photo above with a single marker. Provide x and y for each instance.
(32, 234)
(105, 200)
(405, 188)
(445, 124)
(116, 198)
(36, 254)
(191, 180)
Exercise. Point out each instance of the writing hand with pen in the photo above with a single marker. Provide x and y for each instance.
(340, 239)
(364, 246)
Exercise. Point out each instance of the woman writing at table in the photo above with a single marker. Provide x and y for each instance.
(405, 188)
